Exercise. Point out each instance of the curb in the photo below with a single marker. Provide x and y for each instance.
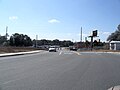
(116, 53)
(19, 53)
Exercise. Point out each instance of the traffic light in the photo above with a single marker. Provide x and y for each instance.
(94, 33)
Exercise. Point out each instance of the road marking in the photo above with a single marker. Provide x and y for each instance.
(77, 53)
(68, 53)
(60, 53)
(115, 88)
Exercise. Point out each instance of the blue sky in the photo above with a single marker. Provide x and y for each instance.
(59, 19)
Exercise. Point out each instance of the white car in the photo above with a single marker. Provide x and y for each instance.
(52, 49)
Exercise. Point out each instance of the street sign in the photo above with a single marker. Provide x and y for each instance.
(94, 33)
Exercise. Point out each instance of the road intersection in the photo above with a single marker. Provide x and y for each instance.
(62, 70)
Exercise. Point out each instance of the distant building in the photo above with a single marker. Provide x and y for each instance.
(115, 45)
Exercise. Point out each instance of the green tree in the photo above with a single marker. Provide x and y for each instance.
(53, 42)
(20, 40)
(87, 44)
(56, 42)
(12, 41)
(66, 43)
(2, 40)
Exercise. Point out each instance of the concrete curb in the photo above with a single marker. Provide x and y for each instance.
(114, 52)
(19, 53)
(118, 53)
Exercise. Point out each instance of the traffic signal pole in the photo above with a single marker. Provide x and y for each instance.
(91, 46)
(94, 34)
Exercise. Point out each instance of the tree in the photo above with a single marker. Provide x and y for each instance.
(115, 36)
(27, 41)
(87, 44)
(20, 40)
(66, 43)
(56, 42)
(12, 41)
(2, 40)
(53, 42)
(95, 43)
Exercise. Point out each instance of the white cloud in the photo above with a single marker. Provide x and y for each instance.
(13, 18)
(54, 21)
(106, 33)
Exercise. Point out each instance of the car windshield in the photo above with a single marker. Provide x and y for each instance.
(59, 44)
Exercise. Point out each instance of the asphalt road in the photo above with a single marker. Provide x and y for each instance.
(63, 70)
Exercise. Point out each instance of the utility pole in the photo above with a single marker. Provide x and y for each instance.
(36, 40)
(81, 35)
(94, 34)
(91, 44)
(6, 35)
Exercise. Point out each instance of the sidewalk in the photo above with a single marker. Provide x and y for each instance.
(19, 53)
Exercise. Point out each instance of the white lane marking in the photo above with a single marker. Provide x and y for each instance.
(77, 53)
(68, 53)
(115, 88)
(60, 53)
